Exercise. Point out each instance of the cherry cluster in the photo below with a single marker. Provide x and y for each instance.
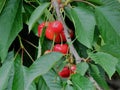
(67, 71)
(54, 31)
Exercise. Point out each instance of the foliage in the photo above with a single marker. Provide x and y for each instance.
(25, 66)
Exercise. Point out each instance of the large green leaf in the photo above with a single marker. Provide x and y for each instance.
(19, 76)
(106, 61)
(10, 25)
(82, 83)
(2, 3)
(82, 68)
(42, 84)
(108, 19)
(41, 66)
(96, 74)
(37, 13)
(114, 50)
(5, 72)
(84, 22)
(51, 80)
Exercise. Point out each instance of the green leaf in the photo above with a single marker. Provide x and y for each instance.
(82, 68)
(96, 1)
(69, 87)
(118, 68)
(114, 50)
(42, 84)
(96, 74)
(41, 66)
(106, 61)
(37, 13)
(52, 81)
(82, 83)
(84, 22)
(19, 76)
(108, 22)
(10, 25)
(5, 72)
(2, 3)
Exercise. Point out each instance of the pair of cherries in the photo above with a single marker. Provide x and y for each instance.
(67, 71)
(55, 31)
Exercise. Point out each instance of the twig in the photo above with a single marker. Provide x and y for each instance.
(94, 82)
(85, 2)
(60, 18)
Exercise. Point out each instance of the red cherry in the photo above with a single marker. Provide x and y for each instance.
(73, 69)
(50, 35)
(63, 48)
(65, 73)
(56, 26)
(40, 27)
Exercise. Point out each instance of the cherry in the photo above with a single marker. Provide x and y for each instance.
(40, 27)
(65, 73)
(56, 26)
(50, 34)
(73, 69)
(63, 48)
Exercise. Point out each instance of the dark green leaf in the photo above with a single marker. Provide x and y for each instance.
(10, 25)
(105, 61)
(2, 3)
(82, 83)
(84, 23)
(41, 66)
(37, 13)
(96, 74)
(82, 68)
(5, 73)
(108, 22)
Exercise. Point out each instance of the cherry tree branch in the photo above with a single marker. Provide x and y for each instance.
(60, 18)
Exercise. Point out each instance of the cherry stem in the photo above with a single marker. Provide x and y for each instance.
(53, 42)
(61, 39)
(17, 53)
(60, 18)
(30, 43)
(22, 47)
(28, 54)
